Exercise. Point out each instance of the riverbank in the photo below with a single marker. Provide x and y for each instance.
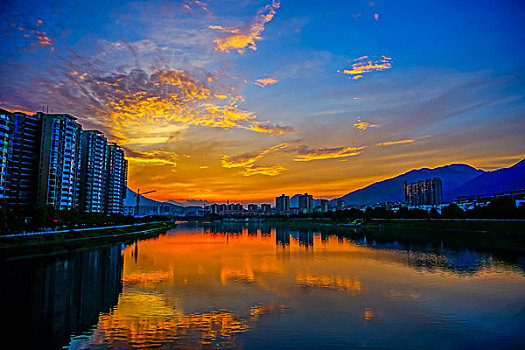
(63, 241)
(470, 225)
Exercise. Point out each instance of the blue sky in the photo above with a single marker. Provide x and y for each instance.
(249, 99)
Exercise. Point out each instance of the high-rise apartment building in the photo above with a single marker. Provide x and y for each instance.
(21, 138)
(94, 174)
(427, 192)
(4, 141)
(60, 161)
(116, 179)
(266, 208)
(282, 203)
(306, 203)
(324, 205)
(47, 159)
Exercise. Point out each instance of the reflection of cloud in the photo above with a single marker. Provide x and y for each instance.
(368, 313)
(346, 284)
(388, 143)
(364, 125)
(263, 82)
(365, 64)
(240, 38)
(305, 154)
(141, 319)
(146, 279)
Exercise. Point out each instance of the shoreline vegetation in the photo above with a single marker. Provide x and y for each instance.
(57, 242)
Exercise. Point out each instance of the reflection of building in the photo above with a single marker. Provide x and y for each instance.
(306, 238)
(282, 236)
(428, 192)
(58, 298)
(282, 204)
(306, 203)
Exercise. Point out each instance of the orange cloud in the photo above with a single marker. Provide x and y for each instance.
(306, 155)
(263, 82)
(246, 162)
(241, 38)
(363, 65)
(263, 170)
(138, 102)
(363, 125)
(394, 142)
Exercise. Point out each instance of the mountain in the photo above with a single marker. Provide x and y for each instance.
(190, 203)
(149, 206)
(391, 190)
(501, 180)
(131, 200)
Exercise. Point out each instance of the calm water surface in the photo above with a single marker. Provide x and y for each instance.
(248, 286)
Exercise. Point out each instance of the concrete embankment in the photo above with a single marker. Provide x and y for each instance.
(56, 242)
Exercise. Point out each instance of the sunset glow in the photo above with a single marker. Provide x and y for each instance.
(243, 101)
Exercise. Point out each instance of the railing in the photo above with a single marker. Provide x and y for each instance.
(77, 229)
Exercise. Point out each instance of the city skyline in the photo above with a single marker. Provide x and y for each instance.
(243, 101)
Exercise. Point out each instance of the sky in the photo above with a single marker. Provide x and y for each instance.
(245, 100)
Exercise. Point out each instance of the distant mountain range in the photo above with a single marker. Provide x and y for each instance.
(150, 206)
(501, 180)
(457, 179)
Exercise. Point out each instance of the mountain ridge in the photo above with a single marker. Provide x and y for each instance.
(454, 178)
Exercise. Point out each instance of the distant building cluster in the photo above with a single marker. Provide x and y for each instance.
(238, 209)
(427, 192)
(305, 205)
(48, 159)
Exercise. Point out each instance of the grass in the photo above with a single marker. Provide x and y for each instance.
(57, 242)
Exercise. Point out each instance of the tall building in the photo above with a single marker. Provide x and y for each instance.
(324, 205)
(60, 161)
(20, 144)
(427, 192)
(282, 203)
(266, 208)
(4, 142)
(306, 203)
(116, 179)
(94, 171)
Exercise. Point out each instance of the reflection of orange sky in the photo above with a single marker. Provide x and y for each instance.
(199, 288)
(160, 319)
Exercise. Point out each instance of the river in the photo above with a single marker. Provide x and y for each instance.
(258, 286)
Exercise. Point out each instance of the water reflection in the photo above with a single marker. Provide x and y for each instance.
(47, 300)
(244, 285)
